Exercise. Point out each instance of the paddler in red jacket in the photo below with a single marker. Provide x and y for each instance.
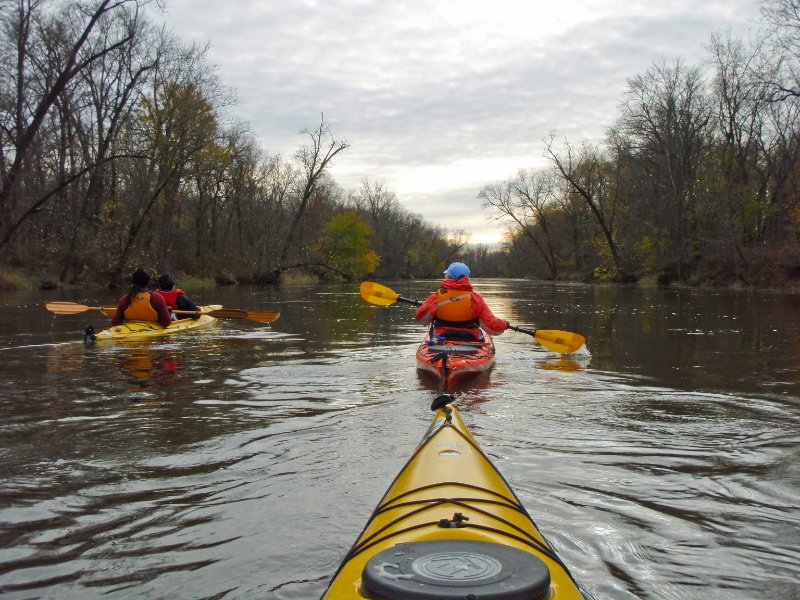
(456, 311)
(175, 297)
(140, 305)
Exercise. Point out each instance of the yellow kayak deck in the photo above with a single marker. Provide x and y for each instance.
(426, 538)
(148, 329)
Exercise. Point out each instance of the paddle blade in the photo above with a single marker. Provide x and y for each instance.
(375, 293)
(263, 316)
(564, 342)
(73, 308)
(67, 308)
(251, 315)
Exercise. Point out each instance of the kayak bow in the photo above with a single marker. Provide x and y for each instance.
(450, 527)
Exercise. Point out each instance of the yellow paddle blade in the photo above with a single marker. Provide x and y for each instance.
(68, 308)
(564, 342)
(236, 313)
(263, 316)
(375, 293)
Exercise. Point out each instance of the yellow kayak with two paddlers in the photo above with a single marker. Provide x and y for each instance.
(134, 329)
(148, 329)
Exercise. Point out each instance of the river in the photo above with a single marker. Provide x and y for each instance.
(242, 460)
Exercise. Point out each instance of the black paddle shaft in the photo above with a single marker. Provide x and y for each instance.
(531, 332)
(409, 301)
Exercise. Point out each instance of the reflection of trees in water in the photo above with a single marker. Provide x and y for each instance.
(694, 338)
(65, 358)
(330, 313)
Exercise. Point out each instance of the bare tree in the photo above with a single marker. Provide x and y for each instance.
(525, 200)
(665, 114)
(314, 160)
(112, 88)
(178, 122)
(783, 18)
(596, 181)
(25, 111)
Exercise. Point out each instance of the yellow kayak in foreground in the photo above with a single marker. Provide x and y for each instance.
(451, 528)
(132, 330)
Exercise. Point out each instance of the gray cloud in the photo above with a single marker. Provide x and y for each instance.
(462, 89)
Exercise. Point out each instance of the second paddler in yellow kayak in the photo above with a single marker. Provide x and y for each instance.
(175, 297)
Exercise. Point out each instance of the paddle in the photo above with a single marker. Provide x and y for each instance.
(73, 308)
(236, 313)
(375, 293)
(563, 342)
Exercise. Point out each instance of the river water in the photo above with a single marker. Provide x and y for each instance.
(242, 460)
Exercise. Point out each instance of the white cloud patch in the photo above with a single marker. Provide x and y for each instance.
(439, 97)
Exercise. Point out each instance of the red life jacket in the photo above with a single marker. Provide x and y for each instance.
(140, 308)
(171, 298)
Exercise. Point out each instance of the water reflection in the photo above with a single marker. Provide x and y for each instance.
(661, 464)
(479, 381)
(559, 364)
(144, 363)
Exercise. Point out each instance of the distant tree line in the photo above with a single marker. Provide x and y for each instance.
(697, 181)
(115, 152)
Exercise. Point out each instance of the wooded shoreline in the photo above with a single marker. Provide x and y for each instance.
(118, 150)
(16, 282)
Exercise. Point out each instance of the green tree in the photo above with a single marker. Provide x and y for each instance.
(345, 246)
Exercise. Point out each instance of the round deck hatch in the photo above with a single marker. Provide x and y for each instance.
(439, 569)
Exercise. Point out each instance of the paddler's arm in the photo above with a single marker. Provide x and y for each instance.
(427, 309)
(119, 316)
(157, 302)
(485, 315)
(184, 303)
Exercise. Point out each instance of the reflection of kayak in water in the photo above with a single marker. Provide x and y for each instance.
(142, 363)
(451, 527)
(145, 329)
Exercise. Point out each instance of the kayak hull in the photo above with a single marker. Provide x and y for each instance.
(449, 495)
(134, 330)
(454, 362)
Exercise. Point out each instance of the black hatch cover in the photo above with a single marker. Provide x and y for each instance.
(452, 569)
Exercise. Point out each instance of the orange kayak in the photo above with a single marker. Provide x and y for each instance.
(454, 361)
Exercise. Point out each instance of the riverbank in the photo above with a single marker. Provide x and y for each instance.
(14, 280)
(781, 279)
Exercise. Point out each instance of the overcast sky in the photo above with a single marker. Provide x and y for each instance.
(438, 98)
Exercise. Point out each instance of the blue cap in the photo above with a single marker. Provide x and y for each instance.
(456, 270)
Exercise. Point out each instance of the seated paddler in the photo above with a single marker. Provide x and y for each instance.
(175, 297)
(140, 305)
(456, 312)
